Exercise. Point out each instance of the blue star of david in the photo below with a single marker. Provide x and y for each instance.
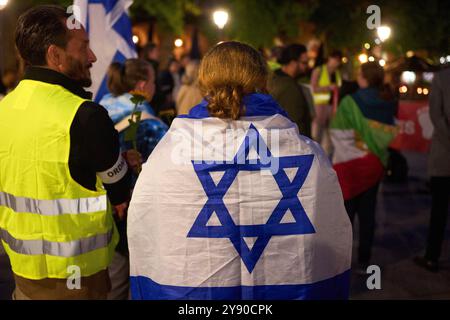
(262, 232)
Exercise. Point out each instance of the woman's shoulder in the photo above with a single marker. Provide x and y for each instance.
(107, 99)
(110, 100)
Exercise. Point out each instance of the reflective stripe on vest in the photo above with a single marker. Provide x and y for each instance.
(53, 207)
(60, 249)
(323, 98)
(48, 221)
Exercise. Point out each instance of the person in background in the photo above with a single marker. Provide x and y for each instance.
(151, 54)
(189, 94)
(184, 61)
(168, 84)
(273, 58)
(438, 169)
(283, 86)
(62, 159)
(325, 81)
(8, 81)
(135, 75)
(361, 132)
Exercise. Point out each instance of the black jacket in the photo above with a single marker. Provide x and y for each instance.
(94, 143)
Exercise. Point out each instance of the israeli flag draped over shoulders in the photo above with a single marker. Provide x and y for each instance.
(109, 28)
(245, 209)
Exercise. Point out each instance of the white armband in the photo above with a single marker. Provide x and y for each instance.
(115, 173)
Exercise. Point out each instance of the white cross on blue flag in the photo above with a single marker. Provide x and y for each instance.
(109, 28)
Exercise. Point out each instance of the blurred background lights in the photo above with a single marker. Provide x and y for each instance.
(3, 4)
(363, 58)
(383, 32)
(408, 77)
(178, 43)
(428, 76)
(220, 18)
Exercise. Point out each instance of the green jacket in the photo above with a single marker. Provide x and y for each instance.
(288, 93)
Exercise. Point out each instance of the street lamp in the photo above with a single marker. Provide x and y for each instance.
(3, 4)
(383, 32)
(178, 43)
(220, 18)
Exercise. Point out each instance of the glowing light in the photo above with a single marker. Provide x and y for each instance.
(410, 54)
(382, 62)
(442, 60)
(3, 4)
(419, 90)
(135, 39)
(371, 59)
(367, 45)
(425, 91)
(383, 32)
(428, 76)
(178, 43)
(344, 60)
(363, 58)
(403, 89)
(377, 41)
(220, 18)
(448, 58)
(408, 77)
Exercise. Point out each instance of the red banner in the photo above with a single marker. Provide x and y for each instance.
(415, 125)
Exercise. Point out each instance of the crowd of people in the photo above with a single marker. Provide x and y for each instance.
(89, 148)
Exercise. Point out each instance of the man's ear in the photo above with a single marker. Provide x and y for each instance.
(54, 57)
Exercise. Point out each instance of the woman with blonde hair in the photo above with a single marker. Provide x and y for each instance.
(135, 75)
(234, 203)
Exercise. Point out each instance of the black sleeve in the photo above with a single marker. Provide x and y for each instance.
(95, 148)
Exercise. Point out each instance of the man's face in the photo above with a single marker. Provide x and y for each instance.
(334, 62)
(174, 67)
(154, 54)
(303, 63)
(78, 57)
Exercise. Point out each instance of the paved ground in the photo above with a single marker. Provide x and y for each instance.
(402, 221)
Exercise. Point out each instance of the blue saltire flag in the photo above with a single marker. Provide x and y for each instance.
(245, 209)
(109, 28)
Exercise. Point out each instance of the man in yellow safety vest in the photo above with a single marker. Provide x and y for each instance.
(325, 80)
(59, 160)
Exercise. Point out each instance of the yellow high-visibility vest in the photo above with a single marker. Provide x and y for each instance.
(323, 98)
(48, 221)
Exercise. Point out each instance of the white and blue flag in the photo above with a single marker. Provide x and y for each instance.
(109, 28)
(245, 209)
